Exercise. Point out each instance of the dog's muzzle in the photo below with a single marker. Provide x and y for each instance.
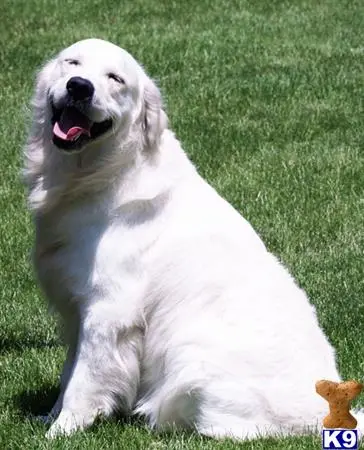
(72, 128)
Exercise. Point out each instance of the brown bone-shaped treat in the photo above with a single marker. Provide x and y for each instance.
(339, 396)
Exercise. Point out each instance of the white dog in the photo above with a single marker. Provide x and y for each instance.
(171, 305)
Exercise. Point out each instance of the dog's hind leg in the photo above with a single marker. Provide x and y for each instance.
(105, 369)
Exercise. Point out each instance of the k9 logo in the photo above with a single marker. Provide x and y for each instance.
(339, 439)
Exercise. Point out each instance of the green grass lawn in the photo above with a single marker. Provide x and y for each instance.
(267, 98)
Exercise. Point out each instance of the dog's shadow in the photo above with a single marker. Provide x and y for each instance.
(17, 344)
(38, 402)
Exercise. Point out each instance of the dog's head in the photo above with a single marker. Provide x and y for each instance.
(94, 90)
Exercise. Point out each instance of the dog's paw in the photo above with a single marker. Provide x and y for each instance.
(67, 423)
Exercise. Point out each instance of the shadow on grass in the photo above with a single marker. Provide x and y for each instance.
(38, 402)
(20, 343)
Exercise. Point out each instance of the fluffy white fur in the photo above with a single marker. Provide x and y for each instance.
(171, 305)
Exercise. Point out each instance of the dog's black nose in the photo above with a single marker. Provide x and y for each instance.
(80, 88)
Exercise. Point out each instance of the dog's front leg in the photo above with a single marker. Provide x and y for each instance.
(105, 372)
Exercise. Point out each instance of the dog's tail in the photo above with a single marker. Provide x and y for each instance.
(359, 416)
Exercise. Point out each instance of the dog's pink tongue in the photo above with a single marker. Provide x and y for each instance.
(72, 134)
(72, 124)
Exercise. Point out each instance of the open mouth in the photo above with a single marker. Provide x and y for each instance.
(72, 129)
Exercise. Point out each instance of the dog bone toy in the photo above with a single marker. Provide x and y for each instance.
(339, 396)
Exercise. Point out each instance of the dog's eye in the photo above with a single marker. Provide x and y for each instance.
(116, 78)
(73, 62)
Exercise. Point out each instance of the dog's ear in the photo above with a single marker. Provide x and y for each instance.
(43, 80)
(34, 147)
(154, 119)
